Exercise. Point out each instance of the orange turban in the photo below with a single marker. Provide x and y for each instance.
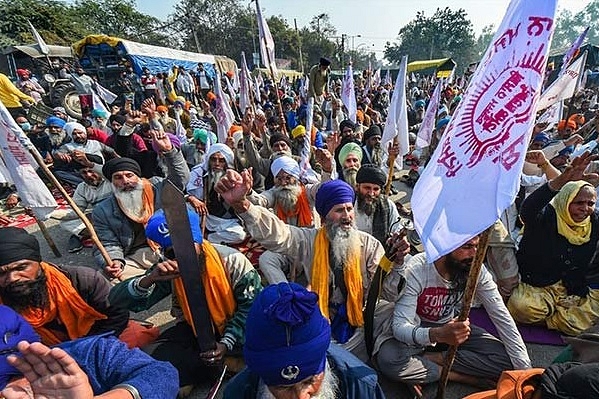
(210, 96)
(161, 108)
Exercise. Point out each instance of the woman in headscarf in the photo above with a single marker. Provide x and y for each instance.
(559, 276)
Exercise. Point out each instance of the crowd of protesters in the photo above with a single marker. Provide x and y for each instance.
(294, 195)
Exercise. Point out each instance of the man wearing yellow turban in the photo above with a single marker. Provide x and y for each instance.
(559, 283)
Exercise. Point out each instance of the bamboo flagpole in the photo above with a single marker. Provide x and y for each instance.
(469, 292)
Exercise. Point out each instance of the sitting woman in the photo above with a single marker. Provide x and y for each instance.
(559, 283)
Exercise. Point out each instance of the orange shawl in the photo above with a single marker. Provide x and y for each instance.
(66, 307)
(302, 211)
(351, 274)
(219, 294)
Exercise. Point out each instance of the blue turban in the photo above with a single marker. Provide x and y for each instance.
(13, 329)
(55, 121)
(419, 104)
(443, 122)
(331, 193)
(567, 151)
(286, 335)
(157, 228)
(100, 113)
(542, 138)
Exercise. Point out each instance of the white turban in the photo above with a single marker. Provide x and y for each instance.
(287, 164)
(224, 150)
(69, 127)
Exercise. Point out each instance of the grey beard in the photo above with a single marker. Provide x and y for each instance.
(344, 243)
(286, 196)
(57, 139)
(329, 389)
(377, 155)
(349, 175)
(130, 202)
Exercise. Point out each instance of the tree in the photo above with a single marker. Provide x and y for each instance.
(120, 18)
(54, 20)
(483, 41)
(447, 33)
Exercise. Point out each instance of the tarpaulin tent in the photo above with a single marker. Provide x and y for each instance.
(442, 67)
(108, 51)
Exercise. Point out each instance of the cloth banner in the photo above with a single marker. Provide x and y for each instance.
(348, 94)
(244, 86)
(565, 85)
(267, 44)
(14, 145)
(474, 174)
(397, 117)
(44, 49)
(427, 126)
(552, 115)
(573, 50)
(222, 112)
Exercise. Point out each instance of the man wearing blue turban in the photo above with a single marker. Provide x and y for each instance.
(339, 261)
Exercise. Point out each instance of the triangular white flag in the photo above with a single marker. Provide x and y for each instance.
(44, 49)
(425, 132)
(245, 101)
(267, 44)
(565, 85)
(397, 118)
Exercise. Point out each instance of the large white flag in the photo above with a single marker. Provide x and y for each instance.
(222, 112)
(44, 49)
(565, 85)
(425, 132)
(397, 118)
(244, 86)
(14, 145)
(474, 173)
(348, 94)
(267, 44)
(105, 94)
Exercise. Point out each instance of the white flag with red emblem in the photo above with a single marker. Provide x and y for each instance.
(222, 112)
(427, 126)
(21, 166)
(474, 173)
(565, 85)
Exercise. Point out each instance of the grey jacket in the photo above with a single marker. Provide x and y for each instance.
(112, 226)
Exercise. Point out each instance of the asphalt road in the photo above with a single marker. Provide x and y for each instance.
(541, 355)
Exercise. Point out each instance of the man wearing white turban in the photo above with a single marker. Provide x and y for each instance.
(222, 224)
(293, 202)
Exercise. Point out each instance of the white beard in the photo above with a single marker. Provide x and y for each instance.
(287, 196)
(328, 389)
(214, 176)
(344, 243)
(130, 202)
(349, 175)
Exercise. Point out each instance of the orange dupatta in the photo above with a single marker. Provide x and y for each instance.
(66, 306)
(302, 211)
(218, 291)
(351, 274)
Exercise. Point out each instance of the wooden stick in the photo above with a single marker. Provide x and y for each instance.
(391, 161)
(47, 236)
(469, 292)
(40, 161)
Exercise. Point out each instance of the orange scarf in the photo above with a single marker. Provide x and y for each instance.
(219, 295)
(351, 274)
(302, 211)
(66, 307)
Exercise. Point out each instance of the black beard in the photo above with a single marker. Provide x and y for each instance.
(367, 208)
(26, 295)
(459, 271)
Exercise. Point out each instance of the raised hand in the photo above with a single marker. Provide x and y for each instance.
(233, 188)
(163, 143)
(52, 374)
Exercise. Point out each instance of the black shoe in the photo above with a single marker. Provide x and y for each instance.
(75, 244)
